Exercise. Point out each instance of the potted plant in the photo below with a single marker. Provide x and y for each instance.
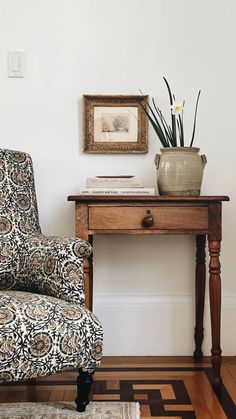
(179, 167)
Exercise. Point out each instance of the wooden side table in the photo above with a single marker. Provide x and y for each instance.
(160, 215)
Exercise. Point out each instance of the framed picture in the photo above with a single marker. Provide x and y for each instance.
(115, 124)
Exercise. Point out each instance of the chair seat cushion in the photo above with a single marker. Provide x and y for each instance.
(42, 335)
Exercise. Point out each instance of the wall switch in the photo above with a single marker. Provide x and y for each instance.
(16, 63)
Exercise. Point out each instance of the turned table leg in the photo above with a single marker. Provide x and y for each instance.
(215, 307)
(88, 278)
(88, 282)
(81, 223)
(200, 294)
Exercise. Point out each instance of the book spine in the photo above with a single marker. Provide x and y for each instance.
(114, 183)
(117, 191)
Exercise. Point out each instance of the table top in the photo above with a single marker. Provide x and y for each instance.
(149, 198)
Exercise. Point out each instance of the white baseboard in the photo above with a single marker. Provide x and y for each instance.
(159, 324)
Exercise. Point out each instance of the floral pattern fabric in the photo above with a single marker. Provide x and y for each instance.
(39, 334)
(18, 211)
(53, 265)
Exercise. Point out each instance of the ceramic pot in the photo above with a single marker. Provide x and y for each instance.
(180, 171)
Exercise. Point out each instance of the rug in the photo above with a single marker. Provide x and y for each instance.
(65, 410)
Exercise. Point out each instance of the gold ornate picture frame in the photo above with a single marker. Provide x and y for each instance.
(115, 124)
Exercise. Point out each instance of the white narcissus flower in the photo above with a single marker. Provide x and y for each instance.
(176, 108)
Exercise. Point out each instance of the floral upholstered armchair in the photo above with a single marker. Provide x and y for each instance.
(44, 325)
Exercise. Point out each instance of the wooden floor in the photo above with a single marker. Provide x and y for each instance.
(165, 387)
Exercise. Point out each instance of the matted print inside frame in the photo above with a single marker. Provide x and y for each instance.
(115, 124)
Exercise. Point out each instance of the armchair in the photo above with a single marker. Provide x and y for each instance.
(44, 325)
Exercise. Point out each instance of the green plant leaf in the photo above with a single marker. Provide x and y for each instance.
(165, 127)
(172, 116)
(169, 91)
(195, 118)
(181, 131)
(169, 136)
(155, 124)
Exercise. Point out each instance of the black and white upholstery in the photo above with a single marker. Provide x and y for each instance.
(44, 325)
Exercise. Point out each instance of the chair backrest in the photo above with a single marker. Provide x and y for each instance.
(18, 210)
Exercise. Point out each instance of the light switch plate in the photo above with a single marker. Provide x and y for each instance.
(16, 63)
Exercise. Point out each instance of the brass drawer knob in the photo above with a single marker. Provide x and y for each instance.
(147, 221)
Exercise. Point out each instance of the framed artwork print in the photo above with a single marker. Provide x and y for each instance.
(115, 124)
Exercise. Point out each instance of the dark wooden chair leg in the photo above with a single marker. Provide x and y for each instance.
(84, 384)
(200, 294)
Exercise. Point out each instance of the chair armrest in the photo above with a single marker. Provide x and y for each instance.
(54, 266)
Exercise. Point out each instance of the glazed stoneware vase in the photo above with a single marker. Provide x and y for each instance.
(180, 171)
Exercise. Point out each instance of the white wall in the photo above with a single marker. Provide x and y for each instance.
(74, 47)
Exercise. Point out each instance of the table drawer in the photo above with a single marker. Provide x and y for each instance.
(143, 218)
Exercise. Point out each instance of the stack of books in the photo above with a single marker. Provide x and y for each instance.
(116, 185)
